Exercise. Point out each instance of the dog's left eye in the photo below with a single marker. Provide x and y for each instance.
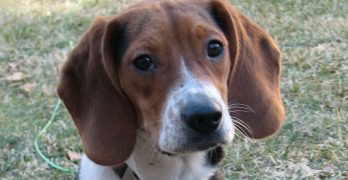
(214, 48)
(144, 63)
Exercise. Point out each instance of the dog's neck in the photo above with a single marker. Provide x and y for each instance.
(149, 163)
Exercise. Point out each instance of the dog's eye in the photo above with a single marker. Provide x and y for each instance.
(214, 48)
(144, 63)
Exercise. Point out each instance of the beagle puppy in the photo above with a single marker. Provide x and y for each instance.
(162, 86)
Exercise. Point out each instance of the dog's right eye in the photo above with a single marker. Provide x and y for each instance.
(214, 48)
(144, 63)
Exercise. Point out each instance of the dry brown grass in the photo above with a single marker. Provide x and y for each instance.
(35, 37)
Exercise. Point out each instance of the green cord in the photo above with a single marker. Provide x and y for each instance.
(43, 131)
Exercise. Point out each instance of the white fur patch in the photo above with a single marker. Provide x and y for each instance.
(90, 170)
(172, 133)
(150, 164)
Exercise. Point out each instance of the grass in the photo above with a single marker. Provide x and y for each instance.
(35, 37)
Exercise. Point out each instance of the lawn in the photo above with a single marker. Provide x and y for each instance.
(36, 36)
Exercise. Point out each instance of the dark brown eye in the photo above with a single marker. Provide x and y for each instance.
(144, 63)
(214, 48)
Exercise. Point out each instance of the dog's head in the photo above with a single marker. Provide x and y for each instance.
(185, 71)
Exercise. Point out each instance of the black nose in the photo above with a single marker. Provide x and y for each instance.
(202, 117)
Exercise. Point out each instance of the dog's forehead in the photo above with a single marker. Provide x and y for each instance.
(151, 18)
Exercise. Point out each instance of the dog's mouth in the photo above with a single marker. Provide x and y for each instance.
(206, 146)
(165, 152)
(202, 147)
(189, 142)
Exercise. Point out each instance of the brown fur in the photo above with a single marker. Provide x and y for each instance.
(109, 99)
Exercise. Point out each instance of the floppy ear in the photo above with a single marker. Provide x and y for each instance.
(89, 88)
(255, 72)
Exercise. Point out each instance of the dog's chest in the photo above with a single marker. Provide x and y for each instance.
(148, 163)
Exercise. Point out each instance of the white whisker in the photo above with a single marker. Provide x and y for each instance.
(245, 126)
(237, 110)
(240, 129)
(241, 106)
(245, 138)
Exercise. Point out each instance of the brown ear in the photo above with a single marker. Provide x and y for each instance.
(255, 73)
(90, 90)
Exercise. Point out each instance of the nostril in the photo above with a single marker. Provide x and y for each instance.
(216, 117)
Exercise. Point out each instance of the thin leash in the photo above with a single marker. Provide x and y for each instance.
(42, 132)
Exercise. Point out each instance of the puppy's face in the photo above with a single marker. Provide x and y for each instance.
(171, 67)
(174, 70)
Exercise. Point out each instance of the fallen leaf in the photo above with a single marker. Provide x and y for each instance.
(28, 87)
(74, 156)
(17, 76)
(328, 169)
(13, 65)
(322, 47)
